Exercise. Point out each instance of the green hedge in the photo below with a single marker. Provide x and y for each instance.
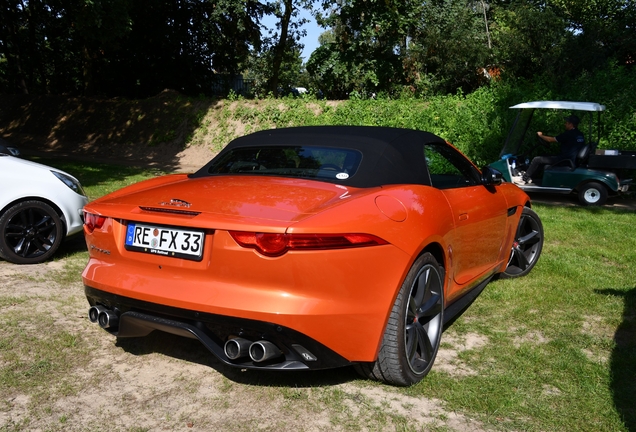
(476, 123)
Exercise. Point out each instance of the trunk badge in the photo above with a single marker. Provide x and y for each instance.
(176, 203)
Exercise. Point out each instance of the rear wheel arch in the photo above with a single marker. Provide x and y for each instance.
(437, 251)
(527, 245)
(412, 334)
(435, 248)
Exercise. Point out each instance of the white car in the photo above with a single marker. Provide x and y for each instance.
(39, 207)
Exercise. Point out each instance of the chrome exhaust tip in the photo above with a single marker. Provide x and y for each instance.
(264, 350)
(236, 348)
(94, 311)
(107, 319)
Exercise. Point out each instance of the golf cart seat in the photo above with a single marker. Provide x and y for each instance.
(568, 164)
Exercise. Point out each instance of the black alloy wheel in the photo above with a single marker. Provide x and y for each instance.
(31, 231)
(527, 245)
(412, 335)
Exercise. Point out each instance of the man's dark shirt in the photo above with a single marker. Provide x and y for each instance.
(571, 142)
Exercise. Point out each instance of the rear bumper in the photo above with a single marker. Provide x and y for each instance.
(139, 318)
(339, 298)
(624, 185)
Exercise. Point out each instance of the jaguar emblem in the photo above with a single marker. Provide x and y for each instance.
(176, 203)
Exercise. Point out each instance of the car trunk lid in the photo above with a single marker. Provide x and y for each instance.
(226, 200)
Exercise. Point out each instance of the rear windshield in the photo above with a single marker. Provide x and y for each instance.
(326, 163)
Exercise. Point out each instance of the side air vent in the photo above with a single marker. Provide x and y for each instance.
(170, 210)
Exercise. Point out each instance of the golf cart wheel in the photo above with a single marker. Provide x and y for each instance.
(593, 194)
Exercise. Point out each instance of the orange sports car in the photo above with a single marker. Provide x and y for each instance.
(310, 248)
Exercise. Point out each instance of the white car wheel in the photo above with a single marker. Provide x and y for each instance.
(30, 232)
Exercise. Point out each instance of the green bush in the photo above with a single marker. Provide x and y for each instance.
(476, 123)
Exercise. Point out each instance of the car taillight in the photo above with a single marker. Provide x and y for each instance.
(93, 221)
(271, 244)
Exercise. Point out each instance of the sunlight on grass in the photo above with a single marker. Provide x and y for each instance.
(557, 348)
(552, 357)
(101, 179)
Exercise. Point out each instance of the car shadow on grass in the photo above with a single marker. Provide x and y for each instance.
(193, 351)
(71, 246)
(623, 359)
(625, 202)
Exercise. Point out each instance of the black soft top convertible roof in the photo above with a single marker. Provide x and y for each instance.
(389, 155)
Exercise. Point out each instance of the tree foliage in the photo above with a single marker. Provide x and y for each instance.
(277, 65)
(366, 45)
(370, 48)
(124, 47)
(451, 45)
(440, 46)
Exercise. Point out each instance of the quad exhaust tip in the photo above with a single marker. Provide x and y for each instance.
(104, 317)
(236, 348)
(259, 351)
(94, 311)
(264, 350)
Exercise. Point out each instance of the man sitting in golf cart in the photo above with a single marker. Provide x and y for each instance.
(571, 141)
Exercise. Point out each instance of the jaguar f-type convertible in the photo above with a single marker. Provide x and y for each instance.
(310, 248)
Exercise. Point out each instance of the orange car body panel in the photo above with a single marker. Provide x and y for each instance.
(318, 293)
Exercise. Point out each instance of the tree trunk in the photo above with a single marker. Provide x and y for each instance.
(279, 50)
(12, 46)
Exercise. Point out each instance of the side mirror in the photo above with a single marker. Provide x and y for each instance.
(490, 176)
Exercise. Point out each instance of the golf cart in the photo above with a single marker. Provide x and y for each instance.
(593, 176)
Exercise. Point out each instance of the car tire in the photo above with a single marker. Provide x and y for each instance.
(30, 232)
(527, 245)
(593, 194)
(412, 335)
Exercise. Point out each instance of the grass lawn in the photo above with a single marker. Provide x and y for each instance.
(556, 351)
(561, 351)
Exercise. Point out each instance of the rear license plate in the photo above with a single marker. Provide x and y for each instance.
(166, 241)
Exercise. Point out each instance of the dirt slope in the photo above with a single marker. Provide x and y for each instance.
(151, 132)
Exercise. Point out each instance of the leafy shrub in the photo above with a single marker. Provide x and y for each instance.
(476, 123)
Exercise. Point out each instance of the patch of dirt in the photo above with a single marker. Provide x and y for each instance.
(551, 390)
(168, 157)
(165, 382)
(452, 345)
(602, 359)
(427, 411)
(193, 157)
(533, 337)
(594, 326)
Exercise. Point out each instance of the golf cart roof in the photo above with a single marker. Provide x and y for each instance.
(576, 106)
